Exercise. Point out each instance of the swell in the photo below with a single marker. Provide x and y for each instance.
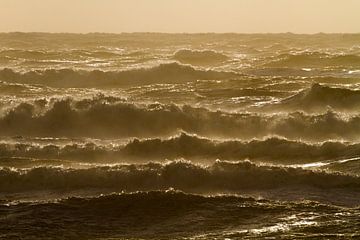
(321, 97)
(274, 150)
(199, 57)
(219, 177)
(167, 215)
(163, 73)
(350, 165)
(315, 59)
(109, 117)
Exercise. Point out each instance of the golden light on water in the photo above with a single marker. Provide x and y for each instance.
(179, 135)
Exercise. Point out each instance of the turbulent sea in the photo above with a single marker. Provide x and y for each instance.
(178, 136)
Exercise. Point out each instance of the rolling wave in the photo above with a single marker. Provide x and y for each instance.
(219, 177)
(273, 150)
(163, 73)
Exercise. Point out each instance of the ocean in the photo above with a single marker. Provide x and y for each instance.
(179, 136)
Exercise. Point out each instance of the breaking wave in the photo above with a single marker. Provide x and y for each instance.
(107, 117)
(163, 73)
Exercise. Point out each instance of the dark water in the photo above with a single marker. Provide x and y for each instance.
(176, 136)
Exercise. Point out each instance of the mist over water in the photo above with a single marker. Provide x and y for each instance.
(178, 136)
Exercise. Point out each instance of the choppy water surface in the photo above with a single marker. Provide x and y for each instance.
(177, 136)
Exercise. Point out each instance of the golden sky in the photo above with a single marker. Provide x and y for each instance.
(299, 16)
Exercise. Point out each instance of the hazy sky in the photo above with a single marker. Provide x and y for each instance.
(301, 16)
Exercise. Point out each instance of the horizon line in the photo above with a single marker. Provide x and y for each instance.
(185, 33)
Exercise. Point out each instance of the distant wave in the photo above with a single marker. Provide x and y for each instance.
(113, 118)
(320, 97)
(20, 53)
(315, 59)
(219, 177)
(74, 54)
(199, 57)
(163, 73)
